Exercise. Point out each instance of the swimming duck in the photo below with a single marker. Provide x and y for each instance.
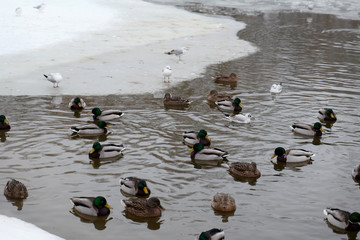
(240, 118)
(214, 96)
(292, 155)
(207, 154)
(55, 78)
(223, 202)
(307, 129)
(342, 219)
(77, 104)
(92, 206)
(175, 101)
(91, 129)
(327, 114)
(232, 78)
(134, 186)
(106, 115)
(15, 190)
(276, 88)
(4, 124)
(230, 106)
(102, 151)
(212, 234)
(192, 137)
(244, 169)
(142, 207)
(356, 173)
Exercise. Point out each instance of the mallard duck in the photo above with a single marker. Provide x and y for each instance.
(77, 104)
(207, 154)
(192, 137)
(106, 115)
(55, 78)
(14, 229)
(92, 206)
(175, 101)
(356, 173)
(212, 234)
(223, 202)
(227, 79)
(276, 88)
(327, 114)
(142, 207)
(91, 129)
(15, 190)
(4, 124)
(292, 155)
(214, 96)
(167, 73)
(134, 186)
(240, 118)
(342, 219)
(230, 106)
(102, 151)
(307, 129)
(244, 169)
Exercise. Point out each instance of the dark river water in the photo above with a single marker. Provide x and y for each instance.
(316, 57)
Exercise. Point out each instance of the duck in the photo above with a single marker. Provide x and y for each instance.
(244, 170)
(214, 96)
(91, 129)
(55, 78)
(175, 101)
(356, 173)
(308, 129)
(103, 151)
(223, 202)
(91, 206)
(230, 106)
(106, 115)
(292, 155)
(240, 118)
(343, 219)
(167, 72)
(142, 207)
(232, 78)
(15, 228)
(4, 124)
(77, 104)
(276, 88)
(327, 114)
(134, 186)
(200, 153)
(212, 234)
(15, 190)
(192, 137)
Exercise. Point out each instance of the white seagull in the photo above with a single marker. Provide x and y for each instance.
(18, 11)
(40, 7)
(167, 73)
(178, 52)
(240, 118)
(55, 78)
(276, 88)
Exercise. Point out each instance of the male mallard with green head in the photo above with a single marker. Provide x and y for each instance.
(342, 219)
(200, 153)
(103, 151)
(134, 186)
(4, 124)
(212, 234)
(77, 104)
(93, 129)
(105, 115)
(327, 114)
(230, 106)
(308, 129)
(91, 206)
(192, 137)
(292, 155)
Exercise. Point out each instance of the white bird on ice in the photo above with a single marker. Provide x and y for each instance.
(276, 88)
(40, 7)
(18, 11)
(178, 52)
(55, 78)
(167, 73)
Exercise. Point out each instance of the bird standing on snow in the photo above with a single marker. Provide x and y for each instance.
(55, 78)
(18, 11)
(167, 73)
(177, 52)
(40, 7)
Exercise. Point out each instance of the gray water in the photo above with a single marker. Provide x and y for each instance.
(317, 57)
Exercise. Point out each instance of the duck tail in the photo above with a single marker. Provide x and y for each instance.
(45, 75)
(226, 165)
(123, 202)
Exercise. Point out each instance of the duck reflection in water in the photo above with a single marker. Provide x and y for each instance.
(99, 222)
